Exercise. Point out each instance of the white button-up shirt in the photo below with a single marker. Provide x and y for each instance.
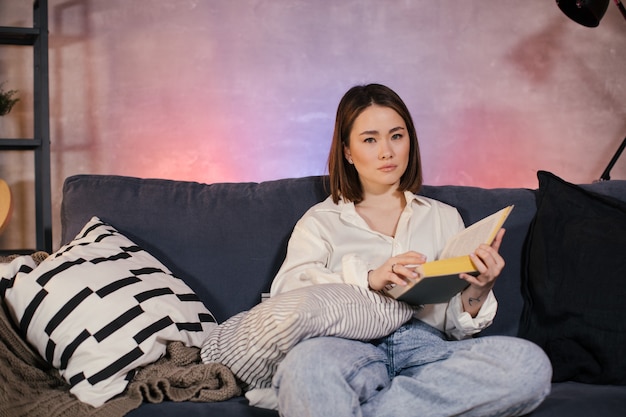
(331, 243)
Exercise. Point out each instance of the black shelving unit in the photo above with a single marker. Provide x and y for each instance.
(37, 38)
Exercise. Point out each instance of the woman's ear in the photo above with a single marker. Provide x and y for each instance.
(347, 154)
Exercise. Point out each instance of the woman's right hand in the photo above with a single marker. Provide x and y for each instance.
(395, 270)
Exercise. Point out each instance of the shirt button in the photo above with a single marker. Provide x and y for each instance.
(396, 247)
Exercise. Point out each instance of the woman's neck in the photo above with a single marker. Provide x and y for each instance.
(388, 198)
(382, 211)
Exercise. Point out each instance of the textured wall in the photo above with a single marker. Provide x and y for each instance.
(246, 90)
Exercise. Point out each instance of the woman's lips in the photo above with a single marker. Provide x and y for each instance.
(387, 168)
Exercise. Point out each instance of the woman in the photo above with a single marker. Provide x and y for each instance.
(370, 232)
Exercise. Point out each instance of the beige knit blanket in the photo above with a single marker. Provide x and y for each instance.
(30, 387)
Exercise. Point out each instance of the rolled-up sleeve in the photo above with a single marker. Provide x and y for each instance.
(454, 321)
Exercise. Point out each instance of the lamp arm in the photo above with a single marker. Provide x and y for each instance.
(621, 8)
(606, 174)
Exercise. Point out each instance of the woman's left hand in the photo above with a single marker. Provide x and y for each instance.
(489, 264)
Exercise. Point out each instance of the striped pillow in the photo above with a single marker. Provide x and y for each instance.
(101, 307)
(253, 343)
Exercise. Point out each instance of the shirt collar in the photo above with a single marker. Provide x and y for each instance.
(410, 197)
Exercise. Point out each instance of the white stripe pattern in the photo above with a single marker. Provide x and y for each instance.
(253, 343)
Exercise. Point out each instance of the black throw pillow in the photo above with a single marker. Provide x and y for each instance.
(574, 282)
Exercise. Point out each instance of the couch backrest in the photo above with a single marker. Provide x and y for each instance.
(227, 240)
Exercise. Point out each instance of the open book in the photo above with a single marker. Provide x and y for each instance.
(438, 281)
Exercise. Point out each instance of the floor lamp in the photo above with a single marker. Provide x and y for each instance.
(589, 13)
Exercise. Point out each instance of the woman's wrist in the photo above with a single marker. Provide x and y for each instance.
(473, 299)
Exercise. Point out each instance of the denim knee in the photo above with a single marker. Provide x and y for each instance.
(326, 367)
(538, 371)
(529, 370)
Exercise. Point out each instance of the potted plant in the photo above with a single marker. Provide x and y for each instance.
(6, 100)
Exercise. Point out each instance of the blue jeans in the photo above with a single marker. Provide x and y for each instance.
(413, 372)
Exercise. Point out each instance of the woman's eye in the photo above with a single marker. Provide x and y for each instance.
(369, 140)
(397, 136)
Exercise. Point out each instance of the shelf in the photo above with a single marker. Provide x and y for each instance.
(18, 36)
(19, 144)
(9, 252)
(36, 37)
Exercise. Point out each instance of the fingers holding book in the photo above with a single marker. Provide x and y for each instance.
(395, 271)
(488, 262)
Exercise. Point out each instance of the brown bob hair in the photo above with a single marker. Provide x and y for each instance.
(344, 178)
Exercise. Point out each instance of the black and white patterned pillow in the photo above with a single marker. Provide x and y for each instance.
(101, 307)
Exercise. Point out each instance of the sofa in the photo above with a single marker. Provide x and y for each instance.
(226, 241)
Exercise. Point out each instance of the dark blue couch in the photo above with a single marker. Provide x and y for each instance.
(228, 240)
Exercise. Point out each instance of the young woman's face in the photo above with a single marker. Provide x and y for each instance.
(379, 148)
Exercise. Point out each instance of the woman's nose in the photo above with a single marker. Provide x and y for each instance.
(384, 151)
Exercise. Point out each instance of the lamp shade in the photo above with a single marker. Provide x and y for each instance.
(586, 12)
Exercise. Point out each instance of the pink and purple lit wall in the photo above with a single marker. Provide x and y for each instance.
(246, 90)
